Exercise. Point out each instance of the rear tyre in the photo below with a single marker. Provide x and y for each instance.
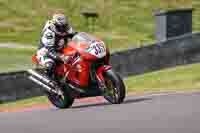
(115, 91)
(64, 101)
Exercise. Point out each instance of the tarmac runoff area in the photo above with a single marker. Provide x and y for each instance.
(150, 113)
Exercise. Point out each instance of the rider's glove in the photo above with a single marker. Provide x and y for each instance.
(54, 55)
(64, 58)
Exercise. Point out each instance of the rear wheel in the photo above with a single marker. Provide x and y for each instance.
(61, 101)
(115, 91)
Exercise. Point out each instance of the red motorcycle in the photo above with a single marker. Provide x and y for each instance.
(87, 74)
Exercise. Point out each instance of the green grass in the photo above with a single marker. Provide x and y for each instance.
(196, 15)
(183, 78)
(122, 23)
(179, 78)
(15, 59)
(25, 103)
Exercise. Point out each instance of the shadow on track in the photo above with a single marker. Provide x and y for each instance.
(128, 101)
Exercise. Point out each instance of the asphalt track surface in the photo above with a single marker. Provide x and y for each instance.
(168, 113)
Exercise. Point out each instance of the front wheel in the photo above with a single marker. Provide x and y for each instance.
(115, 91)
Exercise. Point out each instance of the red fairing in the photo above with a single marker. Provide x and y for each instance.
(107, 58)
(35, 60)
(69, 51)
(101, 70)
(81, 50)
(84, 74)
(60, 70)
(80, 73)
(88, 57)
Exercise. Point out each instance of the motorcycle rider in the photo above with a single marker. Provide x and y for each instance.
(55, 35)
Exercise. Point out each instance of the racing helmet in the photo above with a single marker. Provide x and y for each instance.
(61, 22)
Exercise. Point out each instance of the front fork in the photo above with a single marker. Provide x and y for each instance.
(100, 77)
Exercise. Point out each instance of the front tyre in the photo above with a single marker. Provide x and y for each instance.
(115, 91)
(64, 101)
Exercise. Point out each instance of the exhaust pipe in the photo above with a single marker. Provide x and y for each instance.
(36, 74)
(49, 89)
(44, 85)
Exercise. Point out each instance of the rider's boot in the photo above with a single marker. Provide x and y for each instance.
(50, 71)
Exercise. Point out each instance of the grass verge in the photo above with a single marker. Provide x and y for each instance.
(15, 59)
(121, 23)
(181, 78)
(26, 103)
